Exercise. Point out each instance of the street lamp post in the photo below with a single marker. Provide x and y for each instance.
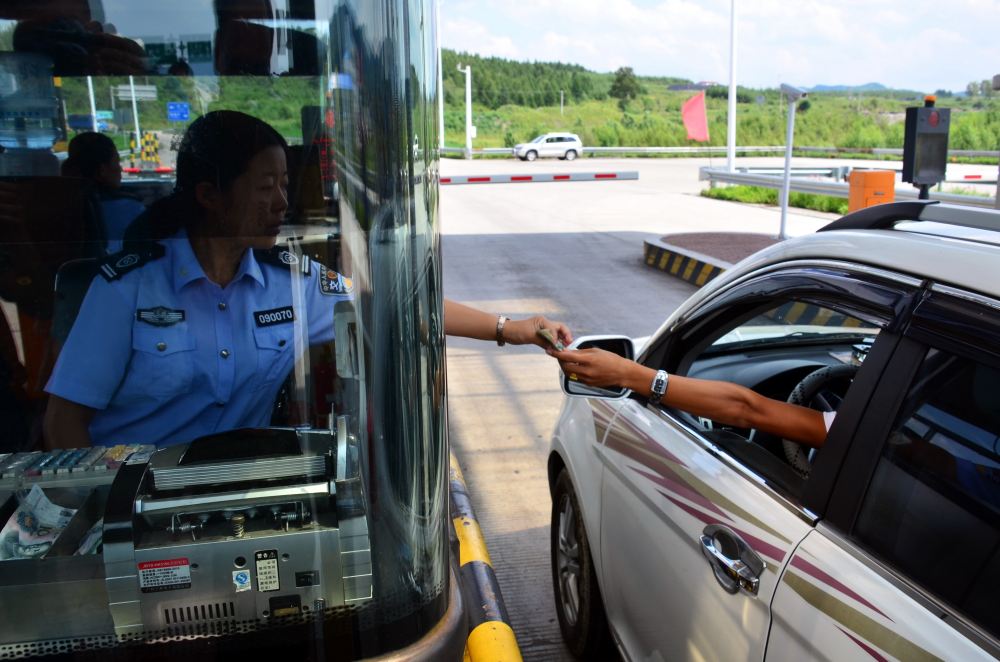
(792, 94)
(467, 70)
(996, 203)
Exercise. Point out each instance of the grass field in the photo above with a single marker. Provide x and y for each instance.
(769, 196)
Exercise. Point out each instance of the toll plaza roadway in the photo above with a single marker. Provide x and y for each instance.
(573, 252)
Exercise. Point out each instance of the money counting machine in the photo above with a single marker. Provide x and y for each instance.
(243, 526)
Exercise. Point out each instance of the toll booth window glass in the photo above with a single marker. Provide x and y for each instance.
(221, 344)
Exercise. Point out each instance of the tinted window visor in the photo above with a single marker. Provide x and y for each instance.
(222, 386)
(949, 316)
(875, 302)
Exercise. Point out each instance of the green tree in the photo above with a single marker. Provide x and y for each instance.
(972, 89)
(626, 85)
(580, 86)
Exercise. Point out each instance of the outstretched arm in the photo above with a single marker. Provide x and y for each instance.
(724, 402)
(462, 320)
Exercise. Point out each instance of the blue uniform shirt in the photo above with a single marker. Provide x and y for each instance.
(166, 356)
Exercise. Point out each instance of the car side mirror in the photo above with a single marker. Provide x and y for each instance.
(620, 345)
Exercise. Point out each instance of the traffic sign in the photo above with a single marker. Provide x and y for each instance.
(105, 115)
(178, 111)
(142, 92)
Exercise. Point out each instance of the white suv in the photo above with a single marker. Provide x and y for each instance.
(696, 540)
(563, 145)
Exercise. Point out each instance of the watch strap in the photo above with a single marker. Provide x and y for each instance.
(659, 387)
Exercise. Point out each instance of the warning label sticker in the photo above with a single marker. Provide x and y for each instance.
(165, 575)
(267, 570)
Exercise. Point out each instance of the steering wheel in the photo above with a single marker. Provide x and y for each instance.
(816, 391)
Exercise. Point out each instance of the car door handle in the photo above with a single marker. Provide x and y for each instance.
(735, 565)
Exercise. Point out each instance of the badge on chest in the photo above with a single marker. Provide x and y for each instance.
(274, 316)
(159, 316)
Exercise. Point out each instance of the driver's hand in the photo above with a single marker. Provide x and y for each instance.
(593, 366)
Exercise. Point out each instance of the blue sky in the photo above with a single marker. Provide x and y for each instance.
(914, 44)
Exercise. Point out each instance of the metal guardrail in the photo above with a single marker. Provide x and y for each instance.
(678, 150)
(892, 151)
(882, 151)
(820, 187)
(486, 151)
(839, 173)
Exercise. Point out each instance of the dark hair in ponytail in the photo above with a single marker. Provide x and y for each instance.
(216, 148)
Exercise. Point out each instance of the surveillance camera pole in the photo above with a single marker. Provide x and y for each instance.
(468, 109)
(792, 99)
(731, 114)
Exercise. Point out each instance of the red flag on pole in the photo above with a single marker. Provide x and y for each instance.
(695, 119)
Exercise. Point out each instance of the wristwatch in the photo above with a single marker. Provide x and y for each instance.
(501, 320)
(658, 387)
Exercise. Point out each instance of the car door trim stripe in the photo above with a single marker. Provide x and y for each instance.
(675, 484)
(868, 649)
(818, 574)
(650, 455)
(886, 639)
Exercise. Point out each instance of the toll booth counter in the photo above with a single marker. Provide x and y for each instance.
(129, 542)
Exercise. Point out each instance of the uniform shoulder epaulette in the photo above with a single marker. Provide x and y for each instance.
(118, 264)
(282, 257)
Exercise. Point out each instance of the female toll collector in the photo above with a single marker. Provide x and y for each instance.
(193, 334)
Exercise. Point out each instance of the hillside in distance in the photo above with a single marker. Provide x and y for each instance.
(867, 87)
(516, 101)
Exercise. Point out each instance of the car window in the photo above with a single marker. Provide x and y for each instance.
(932, 509)
(771, 352)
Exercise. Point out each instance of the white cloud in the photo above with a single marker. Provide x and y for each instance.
(919, 44)
(470, 36)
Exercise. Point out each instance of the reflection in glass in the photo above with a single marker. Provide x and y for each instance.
(344, 469)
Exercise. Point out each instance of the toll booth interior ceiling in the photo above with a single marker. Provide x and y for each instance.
(352, 87)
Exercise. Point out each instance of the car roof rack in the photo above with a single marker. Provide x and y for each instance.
(884, 216)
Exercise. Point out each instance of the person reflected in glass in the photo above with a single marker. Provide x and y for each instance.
(94, 156)
(192, 333)
(723, 402)
(244, 37)
(77, 45)
(180, 68)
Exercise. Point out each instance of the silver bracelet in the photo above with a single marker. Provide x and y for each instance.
(659, 387)
(501, 320)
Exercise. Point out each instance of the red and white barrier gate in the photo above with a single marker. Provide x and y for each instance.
(523, 179)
